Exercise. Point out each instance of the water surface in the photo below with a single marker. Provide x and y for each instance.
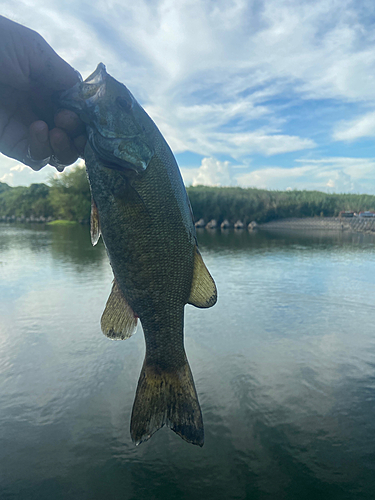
(284, 366)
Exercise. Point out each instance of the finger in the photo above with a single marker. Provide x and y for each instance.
(80, 143)
(39, 145)
(70, 122)
(13, 137)
(63, 148)
(39, 140)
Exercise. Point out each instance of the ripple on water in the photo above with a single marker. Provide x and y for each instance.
(284, 369)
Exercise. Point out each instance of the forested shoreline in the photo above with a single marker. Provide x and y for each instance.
(67, 197)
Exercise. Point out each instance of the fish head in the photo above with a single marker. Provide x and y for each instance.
(119, 131)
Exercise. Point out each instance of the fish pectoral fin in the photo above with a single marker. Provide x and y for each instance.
(203, 291)
(118, 319)
(94, 223)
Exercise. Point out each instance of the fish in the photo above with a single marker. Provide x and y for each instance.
(142, 211)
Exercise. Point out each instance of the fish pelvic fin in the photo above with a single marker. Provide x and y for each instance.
(203, 291)
(94, 223)
(166, 398)
(118, 319)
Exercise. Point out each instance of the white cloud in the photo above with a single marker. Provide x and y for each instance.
(212, 172)
(268, 144)
(228, 47)
(326, 174)
(16, 174)
(354, 129)
(237, 145)
(360, 169)
(273, 177)
(221, 77)
(7, 178)
(188, 175)
(20, 167)
(341, 182)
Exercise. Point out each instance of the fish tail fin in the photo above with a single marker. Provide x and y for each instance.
(166, 398)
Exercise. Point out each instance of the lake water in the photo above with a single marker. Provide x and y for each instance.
(284, 366)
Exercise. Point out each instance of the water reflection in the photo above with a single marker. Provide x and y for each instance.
(32, 237)
(73, 244)
(63, 242)
(219, 239)
(284, 366)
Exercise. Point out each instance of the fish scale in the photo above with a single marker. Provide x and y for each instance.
(141, 209)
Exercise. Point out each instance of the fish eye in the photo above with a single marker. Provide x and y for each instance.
(124, 104)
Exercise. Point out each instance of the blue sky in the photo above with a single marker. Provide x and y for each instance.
(276, 94)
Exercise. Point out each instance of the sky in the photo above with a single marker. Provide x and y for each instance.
(276, 94)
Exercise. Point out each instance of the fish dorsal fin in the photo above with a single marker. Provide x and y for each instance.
(118, 320)
(203, 289)
(94, 223)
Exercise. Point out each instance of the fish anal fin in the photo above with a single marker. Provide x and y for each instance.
(94, 223)
(203, 291)
(118, 319)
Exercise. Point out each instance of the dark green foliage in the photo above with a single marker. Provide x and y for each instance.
(32, 201)
(250, 204)
(68, 197)
(4, 187)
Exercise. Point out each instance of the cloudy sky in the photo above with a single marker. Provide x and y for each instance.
(274, 94)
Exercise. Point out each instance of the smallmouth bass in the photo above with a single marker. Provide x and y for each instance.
(141, 209)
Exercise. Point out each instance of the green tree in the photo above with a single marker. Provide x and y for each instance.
(70, 195)
(21, 201)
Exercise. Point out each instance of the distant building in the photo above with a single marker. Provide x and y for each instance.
(347, 213)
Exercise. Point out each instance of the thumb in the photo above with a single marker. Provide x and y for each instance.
(47, 68)
(27, 60)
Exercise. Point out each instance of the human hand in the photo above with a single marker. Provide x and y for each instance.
(32, 129)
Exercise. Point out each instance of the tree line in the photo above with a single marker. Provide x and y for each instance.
(261, 205)
(68, 197)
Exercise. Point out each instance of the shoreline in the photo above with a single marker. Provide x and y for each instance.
(300, 224)
(355, 224)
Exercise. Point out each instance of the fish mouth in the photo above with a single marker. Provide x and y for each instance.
(94, 86)
(98, 76)
(84, 93)
(124, 154)
(114, 148)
